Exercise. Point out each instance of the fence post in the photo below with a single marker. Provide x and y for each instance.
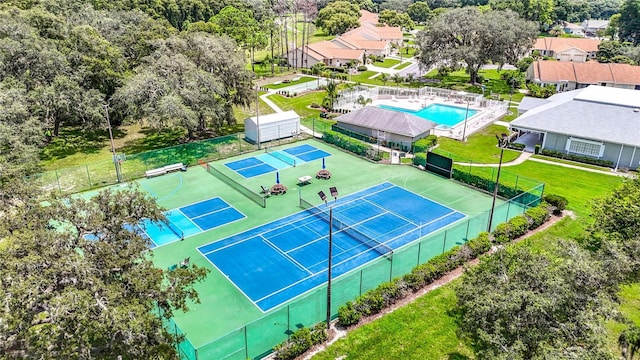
(88, 175)
(58, 182)
(444, 241)
(246, 344)
(419, 248)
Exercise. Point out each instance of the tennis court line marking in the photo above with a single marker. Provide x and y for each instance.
(292, 222)
(188, 218)
(285, 255)
(215, 211)
(393, 213)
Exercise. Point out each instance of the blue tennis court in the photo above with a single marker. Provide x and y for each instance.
(190, 220)
(274, 160)
(278, 261)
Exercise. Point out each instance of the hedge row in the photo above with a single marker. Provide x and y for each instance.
(346, 142)
(489, 185)
(578, 158)
(301, 340)
(424, 144)
(388, 293)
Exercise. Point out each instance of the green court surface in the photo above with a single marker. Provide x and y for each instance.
(226, 324)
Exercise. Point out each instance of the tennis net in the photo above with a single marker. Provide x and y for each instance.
(257, 198)
(179, 233)
(280, 156)
(375, 245)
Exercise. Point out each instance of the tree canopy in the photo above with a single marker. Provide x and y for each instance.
(67, 295)
(474, 38)
(338, 17)
(629, 22)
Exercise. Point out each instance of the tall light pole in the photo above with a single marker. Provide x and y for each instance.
(113, 146)
(323, 197)
(257, 116)
(466, 116)
(502, 143)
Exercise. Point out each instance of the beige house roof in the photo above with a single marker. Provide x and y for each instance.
(368, 17)
(560, 44)
(585, 73)
(358, 43)
(329, 50)
(372, 32)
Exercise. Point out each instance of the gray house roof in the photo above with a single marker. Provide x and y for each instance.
(390, 121)
(529, 103)
(596, 112)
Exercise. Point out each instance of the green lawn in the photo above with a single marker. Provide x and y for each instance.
(300, 103)
(424, 329)
(387, 63)
(281, 85)
(479, 148)
(403, 65)
(363, 78)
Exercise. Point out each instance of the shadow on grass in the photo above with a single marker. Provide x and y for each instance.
(457, 356)
(76, 140)
(154, 139)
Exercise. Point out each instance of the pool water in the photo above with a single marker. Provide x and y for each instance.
(438, 113)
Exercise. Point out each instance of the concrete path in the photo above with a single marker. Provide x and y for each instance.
(519, 160)
(265, 98)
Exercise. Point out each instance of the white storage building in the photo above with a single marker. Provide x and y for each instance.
(272, 126)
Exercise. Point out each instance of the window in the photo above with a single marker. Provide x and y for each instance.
(585, 147)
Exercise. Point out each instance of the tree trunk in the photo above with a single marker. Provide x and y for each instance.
(473, 73)
(272, 48)
(286, 40)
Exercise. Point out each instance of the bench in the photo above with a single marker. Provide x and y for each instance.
(175, 167)
(155, 172)
(165, 169)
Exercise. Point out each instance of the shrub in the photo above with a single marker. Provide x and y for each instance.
(315, 105)
(578, 158)
(480, 244)
(537, 149)
(345, 142)
(362, 68)
(301, 340)
(536, 216)
(516, 146)
(559, 202)
(420, 159)
(501, 233)
(348, 315)
(519, 226)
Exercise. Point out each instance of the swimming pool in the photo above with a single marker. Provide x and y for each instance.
(442, 114)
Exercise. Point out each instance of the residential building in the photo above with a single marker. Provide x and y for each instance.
(573, 29)
(391, 128)
(591, 27)
(326, 52)
(567, 49)
(597, 121)
(367, 39)
(568, 76)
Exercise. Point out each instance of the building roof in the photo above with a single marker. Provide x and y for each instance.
(276, 117)
(572, 26)
(595, 24)
(529, 103)
(369, 31)
(585, 73)
(329, 50)
(390, 121)
(368, 17)
(358, 43)
(560, 44)
(599, 113)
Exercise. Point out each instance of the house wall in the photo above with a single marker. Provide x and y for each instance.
(271, 130)
(571, 55)
(628, 159)
(404, 142)
(310, 61)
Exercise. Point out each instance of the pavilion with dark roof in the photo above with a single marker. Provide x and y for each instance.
(392, 128)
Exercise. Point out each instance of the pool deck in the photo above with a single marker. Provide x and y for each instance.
(484, 116)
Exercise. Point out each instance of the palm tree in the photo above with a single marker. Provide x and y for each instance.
(332, 94)
(317, 70)
(556, 31)
(397, 78)
(410, 78)
(363, 101)
(384, 77)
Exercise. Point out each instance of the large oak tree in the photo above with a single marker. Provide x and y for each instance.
(473, 38)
